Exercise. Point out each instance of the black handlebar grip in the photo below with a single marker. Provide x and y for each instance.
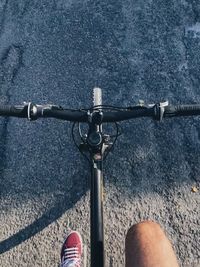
(182, 110)
(16, 111)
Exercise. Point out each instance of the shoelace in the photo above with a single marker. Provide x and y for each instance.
(71, 258)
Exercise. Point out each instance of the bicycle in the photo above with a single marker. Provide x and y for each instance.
(95, 145)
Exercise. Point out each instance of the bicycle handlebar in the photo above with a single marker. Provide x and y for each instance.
(156, 111)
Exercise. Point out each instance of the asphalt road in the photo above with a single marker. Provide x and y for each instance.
(56, 52)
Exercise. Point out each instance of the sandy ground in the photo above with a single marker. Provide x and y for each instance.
(56, 52)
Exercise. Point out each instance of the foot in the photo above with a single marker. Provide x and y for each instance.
(71, 250)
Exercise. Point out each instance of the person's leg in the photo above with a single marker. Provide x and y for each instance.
(147, 246)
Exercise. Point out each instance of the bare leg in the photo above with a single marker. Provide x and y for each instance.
(147, 246)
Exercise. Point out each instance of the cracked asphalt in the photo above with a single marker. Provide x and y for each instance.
(56, 52)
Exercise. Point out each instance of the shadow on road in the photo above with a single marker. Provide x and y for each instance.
(38, 225)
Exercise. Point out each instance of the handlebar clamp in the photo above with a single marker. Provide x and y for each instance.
(32, 111)
(160, 110)
(95, 117)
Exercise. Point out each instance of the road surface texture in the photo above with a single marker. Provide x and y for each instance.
(56, 51)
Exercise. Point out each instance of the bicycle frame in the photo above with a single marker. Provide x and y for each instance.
(95, 145)
(96, 213)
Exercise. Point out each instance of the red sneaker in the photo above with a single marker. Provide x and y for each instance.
(72, 250)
